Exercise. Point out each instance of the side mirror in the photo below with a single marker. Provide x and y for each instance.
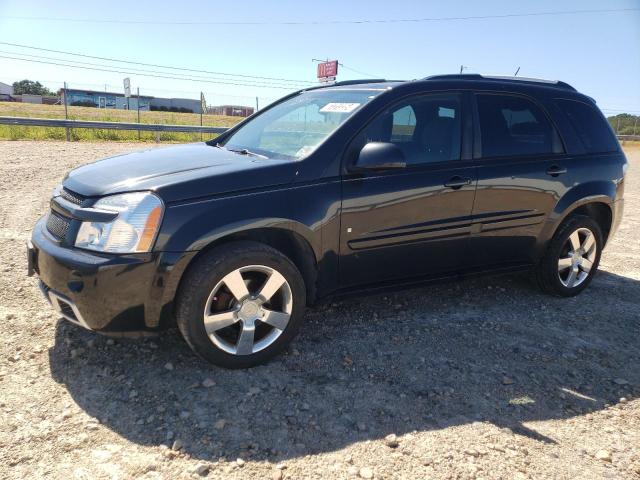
(380, 156)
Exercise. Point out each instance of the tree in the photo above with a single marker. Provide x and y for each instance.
(625, 124)
(30, 87)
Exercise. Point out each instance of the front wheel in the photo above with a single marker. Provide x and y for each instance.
(572, 258)
(241, 304)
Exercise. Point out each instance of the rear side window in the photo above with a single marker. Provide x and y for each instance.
(511, 126)
(590, 126)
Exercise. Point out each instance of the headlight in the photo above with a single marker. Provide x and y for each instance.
(133, 230)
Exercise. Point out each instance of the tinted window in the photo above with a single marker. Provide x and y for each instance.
(426, 128)
(404, 124)
(590, 125)
(511, 125)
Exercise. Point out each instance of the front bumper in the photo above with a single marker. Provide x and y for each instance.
(104, 292)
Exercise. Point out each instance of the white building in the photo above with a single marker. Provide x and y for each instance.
(6, 89)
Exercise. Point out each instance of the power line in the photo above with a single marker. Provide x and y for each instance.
(153, 90)
(143, 74)
(137, 71)
(131, 62)
(359, 71)
(323, 22)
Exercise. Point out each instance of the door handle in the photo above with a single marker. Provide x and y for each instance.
(555, 170)
(457, 182)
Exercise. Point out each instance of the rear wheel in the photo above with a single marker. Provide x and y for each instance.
(572, 257)
(241, 304)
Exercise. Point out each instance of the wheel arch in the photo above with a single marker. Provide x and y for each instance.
(598, 206)
(283, 238)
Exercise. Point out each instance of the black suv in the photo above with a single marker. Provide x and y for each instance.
(336, 189)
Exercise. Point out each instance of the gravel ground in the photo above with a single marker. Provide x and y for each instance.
(480, 379)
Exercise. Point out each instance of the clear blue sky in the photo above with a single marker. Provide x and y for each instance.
(598, 53)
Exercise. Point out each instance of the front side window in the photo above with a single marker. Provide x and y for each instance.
(404, 124)
(511, 126)
(294, 128)
(427, 128)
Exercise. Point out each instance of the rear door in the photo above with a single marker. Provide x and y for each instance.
(522, 173)
(414, 221)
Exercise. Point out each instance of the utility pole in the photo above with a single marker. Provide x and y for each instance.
(618, 124)
(138, 103)
(257, 107)
(66, 113)
(634, 125)
(203, 105)
(516, 74)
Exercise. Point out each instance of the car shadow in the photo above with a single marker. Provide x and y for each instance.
(490, 350)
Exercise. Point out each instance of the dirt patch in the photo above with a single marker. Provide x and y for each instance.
(479, 379)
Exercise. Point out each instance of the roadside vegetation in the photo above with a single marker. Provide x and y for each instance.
(14, 109)
(625, 124)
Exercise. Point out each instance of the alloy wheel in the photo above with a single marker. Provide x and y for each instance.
(577, 257)
(248, 310)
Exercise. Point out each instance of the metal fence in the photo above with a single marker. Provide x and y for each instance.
(145, 127)
(623, 138)
(140, 127)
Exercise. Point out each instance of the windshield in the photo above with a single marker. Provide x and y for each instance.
(294, 128)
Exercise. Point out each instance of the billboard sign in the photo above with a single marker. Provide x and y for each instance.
(327, 70)
(127, 87)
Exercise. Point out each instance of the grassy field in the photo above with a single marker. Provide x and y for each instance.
(11, 109)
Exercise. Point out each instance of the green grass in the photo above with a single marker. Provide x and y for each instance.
(10, 109)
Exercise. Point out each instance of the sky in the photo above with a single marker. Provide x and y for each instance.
(598, 52)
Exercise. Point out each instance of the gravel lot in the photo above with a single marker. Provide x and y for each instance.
(480, 379)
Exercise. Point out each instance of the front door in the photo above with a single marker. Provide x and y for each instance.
(414, 221)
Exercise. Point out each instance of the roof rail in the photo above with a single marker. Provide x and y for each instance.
(476, 76)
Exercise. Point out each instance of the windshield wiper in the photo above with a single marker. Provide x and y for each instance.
(244, 151)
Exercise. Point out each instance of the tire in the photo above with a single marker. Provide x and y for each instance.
(246, 331)
(576, 271)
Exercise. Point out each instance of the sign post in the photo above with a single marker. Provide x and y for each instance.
(203, 107)
(66, 113)
(138, 104)
(127, 89)
(327, 71)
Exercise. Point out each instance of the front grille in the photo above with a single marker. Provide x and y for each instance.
(72, 196)
(57, 225)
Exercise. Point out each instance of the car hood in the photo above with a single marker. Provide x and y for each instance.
(179, 173)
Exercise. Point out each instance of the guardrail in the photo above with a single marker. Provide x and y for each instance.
(622, 138)
(141, 127)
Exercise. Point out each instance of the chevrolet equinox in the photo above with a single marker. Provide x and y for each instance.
(345, 188)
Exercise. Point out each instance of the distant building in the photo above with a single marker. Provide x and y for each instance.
(6, 89)
(231, 110)
(176, 104)
(96, 98)
(29, 98)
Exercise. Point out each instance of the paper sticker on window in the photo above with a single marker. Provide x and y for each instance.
(339, 107)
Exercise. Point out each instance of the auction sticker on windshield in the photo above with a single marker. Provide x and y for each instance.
(335, 107)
